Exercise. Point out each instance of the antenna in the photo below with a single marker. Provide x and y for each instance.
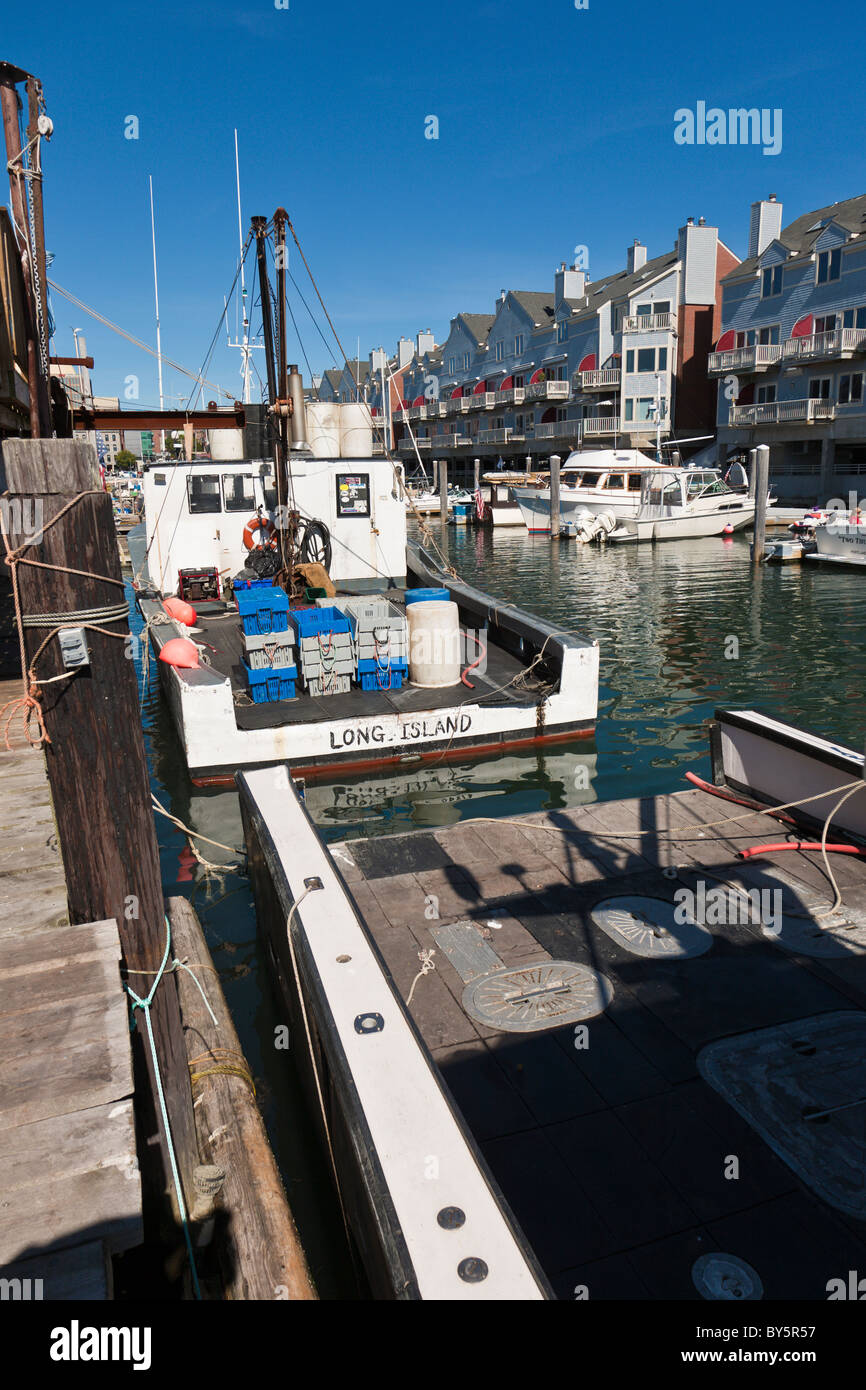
(244, 343)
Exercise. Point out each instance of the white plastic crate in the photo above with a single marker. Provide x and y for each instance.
(333, 685)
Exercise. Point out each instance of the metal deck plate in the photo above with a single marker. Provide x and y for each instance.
(647, 927)
(467, 950)
(727, 1278)
(546, 995)
(802, 1086)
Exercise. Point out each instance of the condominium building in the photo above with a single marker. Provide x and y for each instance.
(617, 360)
(791, 356)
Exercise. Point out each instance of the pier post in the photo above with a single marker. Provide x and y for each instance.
(554, 495)
(443, 491)
(476, 474)
(762, 479)
(95, 755)
(752, 468)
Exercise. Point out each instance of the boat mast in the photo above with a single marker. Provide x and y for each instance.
(156, 300)
(245, 343)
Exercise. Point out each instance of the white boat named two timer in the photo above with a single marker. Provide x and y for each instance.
(522, 681)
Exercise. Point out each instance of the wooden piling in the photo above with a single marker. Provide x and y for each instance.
(258, 1247)
(95, 755)
(762, 480)
(443, 491)
(554, 495)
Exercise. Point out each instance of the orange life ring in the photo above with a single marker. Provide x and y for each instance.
(260, 523)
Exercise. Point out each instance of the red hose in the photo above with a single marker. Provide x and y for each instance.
(797, 844)
(478, 660)
(738, 800)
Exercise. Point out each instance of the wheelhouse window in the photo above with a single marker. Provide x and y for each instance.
(203, 493)
(771, 281)
(238, 492)
(634, 482)
(615, 482)
(590, 480)
(829, 265)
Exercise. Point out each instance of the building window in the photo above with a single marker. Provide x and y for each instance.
(766, 395)
(829, 265)
(500, 351)
(645, 310)
(746, 339)
(768, 336)
(646, 359)
(629, 409)
(452, 365)
(771, 281)
(466, 361)
(854, 318)
(561, 332)
(826, 324)
(663, 359)
(851, 389)
(629, 360)
(819, 388)
(518, 344)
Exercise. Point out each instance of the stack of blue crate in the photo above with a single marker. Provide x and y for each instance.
(269, 650)
(381, 641)
(327, 656)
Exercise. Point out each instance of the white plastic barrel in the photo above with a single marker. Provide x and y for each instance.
(356, 431)
(323, 428)
(434, 644)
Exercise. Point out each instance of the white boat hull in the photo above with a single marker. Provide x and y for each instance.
(841, 543)
(690, 527)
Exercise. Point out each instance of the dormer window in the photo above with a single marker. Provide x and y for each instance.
(771, 281)
(829, 266)
(500, 351)
(466, 361)
(518, 344)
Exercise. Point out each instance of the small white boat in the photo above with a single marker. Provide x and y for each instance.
(685, 504)
(841, 539)
(598, 480)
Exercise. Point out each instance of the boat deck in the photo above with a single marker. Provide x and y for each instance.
(621, 1162)
(68, 1163)
(222, 632)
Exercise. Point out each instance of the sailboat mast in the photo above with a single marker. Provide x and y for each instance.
(245, 345)
(156, 301)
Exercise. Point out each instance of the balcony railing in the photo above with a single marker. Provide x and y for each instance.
(448, 441)
(514, 395)
(613, 424)
(745, 359)
(782, 412)
(406, 445)
(547, 391)
(837, 343)
(648, 323)
(484, 400)
(598, 380)
(501, 436)
(558, 429)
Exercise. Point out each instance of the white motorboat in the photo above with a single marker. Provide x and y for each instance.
(599, 480)
(840, 539)
(685, 504)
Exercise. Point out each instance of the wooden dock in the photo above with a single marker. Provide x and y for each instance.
(620, 1161)
(71, 1194)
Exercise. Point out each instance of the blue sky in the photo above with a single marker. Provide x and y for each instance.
(555, 130)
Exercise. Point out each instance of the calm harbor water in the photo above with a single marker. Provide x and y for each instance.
(683, 628)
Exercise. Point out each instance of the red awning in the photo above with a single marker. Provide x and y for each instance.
(506, 384)
(457, 393)
(404, 403)
(419, 400)
(747, 395)
(727, 341)
(587, 363)
(539, 375)
(803, 327)
(480, 388)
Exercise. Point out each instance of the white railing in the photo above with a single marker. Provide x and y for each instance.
(547, 391)
(598, 380)
(781, 412)
(745, 358)
(500, 436)
(647, 323)
(448, 441)
(484, 400)
(558, 429)
(601, 424)
(831, 344)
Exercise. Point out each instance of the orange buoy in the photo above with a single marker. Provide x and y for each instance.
(180, 651)
(180, 609)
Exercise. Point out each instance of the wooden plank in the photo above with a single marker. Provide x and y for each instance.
(70, 1176)
(60, 946)
(50, 466)
(31, 902)
(81, 1274)
(260, 1251)
(38, 1085)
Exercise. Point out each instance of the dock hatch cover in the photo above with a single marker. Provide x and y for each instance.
(533, 997)
(726, 1277)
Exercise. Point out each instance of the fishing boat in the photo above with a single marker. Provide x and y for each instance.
(495, 504)
(840, 538)
(518, 679)
(685, 504)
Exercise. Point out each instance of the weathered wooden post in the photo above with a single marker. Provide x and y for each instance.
(554, 495)
(443, 491)
(752, 467)
(476, 474)
(762, 480)
(94, 742)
